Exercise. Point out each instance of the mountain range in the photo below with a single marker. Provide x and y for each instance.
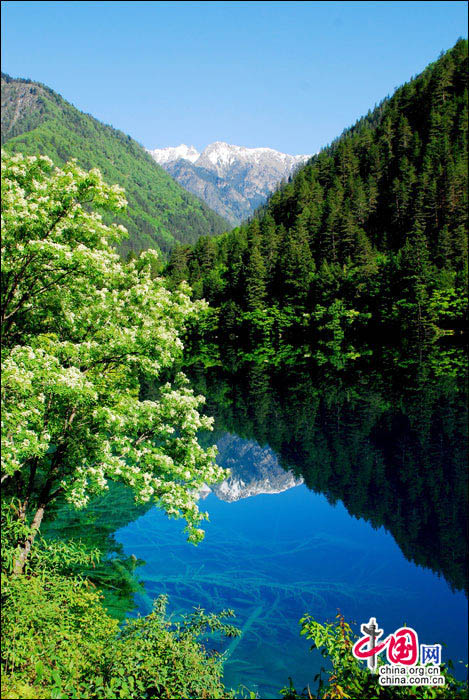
(161, 213)
(233, 180)
(372, 231)
(200, 194)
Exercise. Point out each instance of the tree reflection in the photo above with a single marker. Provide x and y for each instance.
(387, 436)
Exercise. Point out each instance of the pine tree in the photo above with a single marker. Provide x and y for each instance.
(178, 269)
(255, 279)
(296, 266)
(269, 243)
(381, 213)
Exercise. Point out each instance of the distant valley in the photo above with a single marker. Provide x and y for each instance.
(160, 212)
(229, 182)
(233, 180)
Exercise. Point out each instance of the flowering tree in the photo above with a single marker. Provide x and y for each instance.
(81, 329)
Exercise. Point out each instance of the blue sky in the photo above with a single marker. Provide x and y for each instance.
(289, 75)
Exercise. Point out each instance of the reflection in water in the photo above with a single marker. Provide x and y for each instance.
(388, 441)
(272, 558)
(254, 470)
(94, 527)
(381, 449)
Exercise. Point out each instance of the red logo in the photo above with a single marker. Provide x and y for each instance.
(402, 647)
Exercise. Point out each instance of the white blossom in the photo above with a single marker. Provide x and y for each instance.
(81, 327)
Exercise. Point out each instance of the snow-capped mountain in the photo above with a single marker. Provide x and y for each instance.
(232, 180)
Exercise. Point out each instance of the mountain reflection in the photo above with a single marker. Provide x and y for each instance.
(253, 469)
(387, 437)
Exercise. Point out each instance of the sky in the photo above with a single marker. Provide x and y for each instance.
(287, 75)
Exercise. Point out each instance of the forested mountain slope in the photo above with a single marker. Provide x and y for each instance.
(161, 213)
(376, 223)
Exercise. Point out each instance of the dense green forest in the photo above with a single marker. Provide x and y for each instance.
(36, 120)
(366, 242)
(372, 232)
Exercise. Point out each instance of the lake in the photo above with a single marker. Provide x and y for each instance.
(346, 493)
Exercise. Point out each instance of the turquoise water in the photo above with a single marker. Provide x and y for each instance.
(274, 557)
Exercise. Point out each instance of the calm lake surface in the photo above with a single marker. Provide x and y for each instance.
(370, 519)
(348, 490)
(272, 558)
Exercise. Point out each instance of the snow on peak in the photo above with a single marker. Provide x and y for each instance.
(170, 154)
(224, 154)
(232, 180)
(221, 155)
